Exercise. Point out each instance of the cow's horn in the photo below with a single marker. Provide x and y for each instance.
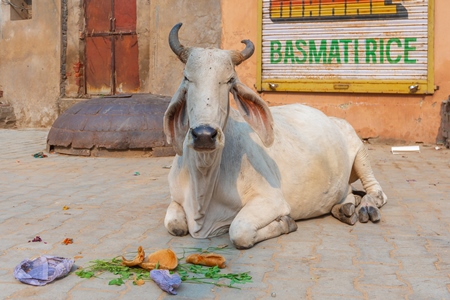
(244, 54)
(175, 44)
(249, 49)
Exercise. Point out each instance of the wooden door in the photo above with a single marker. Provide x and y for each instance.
(111, 47)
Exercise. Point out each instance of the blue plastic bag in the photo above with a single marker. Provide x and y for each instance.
(42, 270)
(166, 281)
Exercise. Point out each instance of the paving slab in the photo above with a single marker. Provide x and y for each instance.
(111, 211)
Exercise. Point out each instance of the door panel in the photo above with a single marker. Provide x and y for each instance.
(98, 15)
(127, 67)
(98, 65)
(111, 47)
(125, 15)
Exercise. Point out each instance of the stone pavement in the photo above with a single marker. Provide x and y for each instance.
(111, 212)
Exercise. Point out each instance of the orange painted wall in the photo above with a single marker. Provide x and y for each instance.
(390, 118)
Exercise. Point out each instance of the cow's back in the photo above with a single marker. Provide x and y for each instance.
(308, 160)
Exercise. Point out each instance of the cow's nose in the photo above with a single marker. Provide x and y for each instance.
(204, 137)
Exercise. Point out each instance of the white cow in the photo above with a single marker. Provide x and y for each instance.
(254, 171)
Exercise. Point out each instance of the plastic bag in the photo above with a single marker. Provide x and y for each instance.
(166, 281)
(42, 270)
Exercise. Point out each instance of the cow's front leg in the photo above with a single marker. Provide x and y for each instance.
(260, 221)
(175, 220)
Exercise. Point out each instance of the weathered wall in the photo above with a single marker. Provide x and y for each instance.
(72, 24)
(411, 118)
(30, 63)
(159, 69)
(201, 28)
(42, 59)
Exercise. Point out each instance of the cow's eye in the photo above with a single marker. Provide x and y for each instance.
(231, 81)
(185, 78)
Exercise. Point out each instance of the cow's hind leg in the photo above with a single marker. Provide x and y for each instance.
(362, 170)
(375, 197)
(258, 222)
(346, 210)
(368, 210)
(175, 220)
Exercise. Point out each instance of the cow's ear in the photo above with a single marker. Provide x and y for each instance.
(255, 111)
(176, 123)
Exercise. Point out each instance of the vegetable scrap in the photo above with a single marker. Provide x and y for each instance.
(138, 282)
(211, 275)
(36, 239)
(162, 259)
(164, 269)
(140, 256)
(166, 281)
(209, 260)
(39, 155)
(67, 241)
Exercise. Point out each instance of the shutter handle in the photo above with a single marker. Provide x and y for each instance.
(413, 88)
(273, 86)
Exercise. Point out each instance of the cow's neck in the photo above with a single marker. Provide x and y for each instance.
(204, 169)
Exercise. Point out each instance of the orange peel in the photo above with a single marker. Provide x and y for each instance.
(210, 260)
(139, 258)
(165, 259)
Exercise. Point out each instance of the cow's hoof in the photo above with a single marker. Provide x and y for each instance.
(179, 232)
(241, 247)
(348, 209)
(177, 228)
(291, 225)
(345, 213)
(368, 210)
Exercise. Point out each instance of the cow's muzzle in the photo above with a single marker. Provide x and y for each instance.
(204, 138)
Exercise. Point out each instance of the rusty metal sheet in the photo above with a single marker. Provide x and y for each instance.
(88, 108)
(139, 139)
(126, 63)
(99, 123)
(126, 122)
(98, 15)
(71, 151)
(83, 139)
(74, 109)
(98, 65)
(63, 136)
(154, 121)
(126, 19)
(114, 108)
(113, 140)
(73, 121)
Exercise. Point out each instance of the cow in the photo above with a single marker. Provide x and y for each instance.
(254, 171)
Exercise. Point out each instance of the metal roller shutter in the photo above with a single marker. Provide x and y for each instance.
(363, 46)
